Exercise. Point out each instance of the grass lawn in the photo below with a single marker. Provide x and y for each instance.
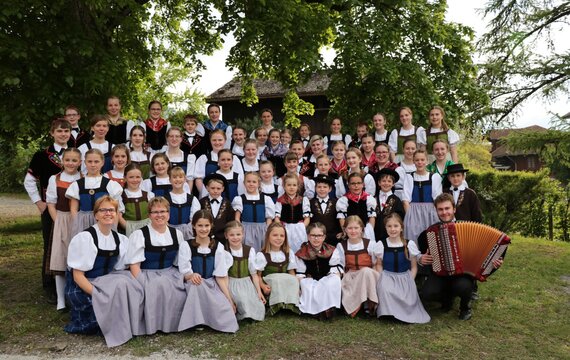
(523, 313)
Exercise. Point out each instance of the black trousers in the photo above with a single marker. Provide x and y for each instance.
(48, 281)
(445, 288)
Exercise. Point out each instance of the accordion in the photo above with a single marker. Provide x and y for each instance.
(465, 248)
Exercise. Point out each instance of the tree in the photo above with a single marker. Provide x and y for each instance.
(403, 53)
(524, 58)
(58, 52)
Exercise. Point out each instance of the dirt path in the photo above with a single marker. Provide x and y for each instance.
(16, 206)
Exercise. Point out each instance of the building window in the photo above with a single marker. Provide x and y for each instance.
(531, 162)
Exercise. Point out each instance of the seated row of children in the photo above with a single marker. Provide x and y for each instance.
(156, 280)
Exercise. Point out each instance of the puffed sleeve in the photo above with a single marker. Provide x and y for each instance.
(309, 187)
(393, 141)
(237, 166)
(194, 208)
(251, 265)
(241, 186)
(72, 191)
(237, 204)
(436, 185)
(223, 261)
(340, 190)
(413, 249)
(334, 263)
(114, 189)
(81, 252)
(146, 185)
(379, 250)
(370, 250)
(135, 251)
(339, 251)
(123, 248)
(348, 140)
(191, 166)
(278, 208)
(292, 261)
(200, 130)
(421, 137)
(184, 258)
(269, 207)
(369, 184)
(371, 206)
(260, 261)
(200, 168)
(408, 188)
(452, 137)
(280, 189)
(301, 267)
(51, 192)
(307, 208)
(341, 207)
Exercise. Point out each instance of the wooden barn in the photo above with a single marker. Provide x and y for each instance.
(505, 159)
(270, 94)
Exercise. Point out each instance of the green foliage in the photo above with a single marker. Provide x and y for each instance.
(59, 52)
(525, 52)
(14, 167)
(525, 202)
(474, 153)
(403, 53)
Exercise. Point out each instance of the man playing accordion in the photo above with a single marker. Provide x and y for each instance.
(443, 284)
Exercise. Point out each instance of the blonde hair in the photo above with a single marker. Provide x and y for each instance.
(398, 218)
(121, 147)
(158, 201)
(351, 219)
(444, 126)
(96, 152)
(177, 171)
(267, 246)
(108, 199)
(233, 225)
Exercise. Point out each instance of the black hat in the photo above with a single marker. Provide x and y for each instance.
(455, 168)
(216, 176)
(386, 171)
(322, 178)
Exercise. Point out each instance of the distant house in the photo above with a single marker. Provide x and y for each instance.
(505, 159)
(270, 94)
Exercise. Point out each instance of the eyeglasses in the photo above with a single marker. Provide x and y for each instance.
(159, 212)
(106, 210)
(316, 236)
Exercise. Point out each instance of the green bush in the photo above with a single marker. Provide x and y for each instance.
(530, 203)
(14, 167)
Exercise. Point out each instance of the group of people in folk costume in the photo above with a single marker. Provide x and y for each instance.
(149, 227)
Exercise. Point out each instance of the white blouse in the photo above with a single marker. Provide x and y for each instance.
(276, 256)
(237, 204)
(51, 192)
(82, 251)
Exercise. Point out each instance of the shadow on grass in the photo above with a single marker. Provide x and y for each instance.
(20, 226)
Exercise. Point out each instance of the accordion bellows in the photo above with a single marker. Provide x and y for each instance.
(465, 248)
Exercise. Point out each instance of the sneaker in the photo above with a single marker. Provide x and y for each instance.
(465, 314)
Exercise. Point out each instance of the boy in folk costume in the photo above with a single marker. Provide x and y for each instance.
(217, 205)
(322, 209)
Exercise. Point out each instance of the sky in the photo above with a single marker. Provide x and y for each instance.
(534, 112)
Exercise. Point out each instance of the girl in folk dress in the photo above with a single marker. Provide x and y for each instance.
(117, 128)
(244, 281)
(84, 192)
(317, 267)
(335, 135)
(420, 188)
(367, 149)
(208, 299)
(439, 129)
(357, 258)
(134, 201)
(407, 162)
(358, 202)
(275, 152)
(58, 207)
(177, 156)
(380, 132)
(286, 137)
(406, 131)
(139, 155)
(338, 162)
(99, 128)
(440, 150)
(234, 179)
(276, 264)
(120, 158)
(101, 296)
(289, 210)
(261, 135)
(269, 185)
(159, 184)
(183, 205)
(250, 161)
(397, 292)
(254, 210)
(354, 161)
(208, 163)
(154, 252)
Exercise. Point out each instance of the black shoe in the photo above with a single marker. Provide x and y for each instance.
(474, 296)
(51, 298)
(465, 314)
